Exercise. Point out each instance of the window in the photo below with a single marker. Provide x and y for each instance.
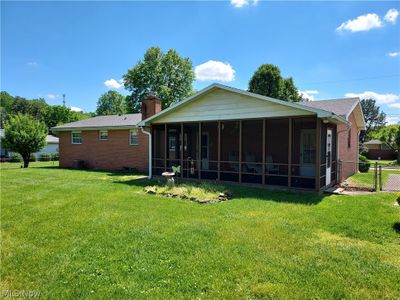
(349, 139)
(133, 137)
(103, 135)
(76, 137)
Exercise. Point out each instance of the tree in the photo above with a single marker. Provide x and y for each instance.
(54, 115)
(169, 76)
(111, 103)
(24, 135)
(390, 135)
(31, 107)
(374, 118)
(268, 81)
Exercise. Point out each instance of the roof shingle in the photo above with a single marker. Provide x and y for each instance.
(340, 107)
(104, 121)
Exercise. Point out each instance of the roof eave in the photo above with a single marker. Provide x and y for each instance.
(58, 129)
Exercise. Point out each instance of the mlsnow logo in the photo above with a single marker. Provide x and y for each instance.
(20, 294)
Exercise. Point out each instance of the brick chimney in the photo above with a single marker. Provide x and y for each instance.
(150, 106)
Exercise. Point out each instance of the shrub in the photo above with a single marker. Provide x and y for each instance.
(398, 198)
(55, 156)
(364, 164)
(33, 157)
(45, 156)
(15, 157)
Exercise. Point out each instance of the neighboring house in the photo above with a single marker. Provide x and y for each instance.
(379, 150)
(107, 142)
(51, 146)
(223, 133)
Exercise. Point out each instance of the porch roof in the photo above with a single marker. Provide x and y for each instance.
(320, 113)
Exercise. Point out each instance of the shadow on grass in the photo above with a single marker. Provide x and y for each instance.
(396, 227)
(241, 192)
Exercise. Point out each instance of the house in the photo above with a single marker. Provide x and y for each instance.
(112, 142)
(377, 149)
(227, 134)
(51, 145)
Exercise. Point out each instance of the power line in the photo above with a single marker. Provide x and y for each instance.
(353, 79)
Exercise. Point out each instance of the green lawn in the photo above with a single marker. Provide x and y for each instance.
(84, 234)
(383, 162)
(367, 179)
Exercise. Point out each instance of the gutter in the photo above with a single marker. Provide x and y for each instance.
(150, 158)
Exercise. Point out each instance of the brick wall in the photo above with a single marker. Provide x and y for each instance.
(348, 156)
(113, 154)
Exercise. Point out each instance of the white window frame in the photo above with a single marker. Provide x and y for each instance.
(72, 137)
(136, 131)
(102, 139)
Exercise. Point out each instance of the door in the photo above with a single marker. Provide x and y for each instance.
(328, 156)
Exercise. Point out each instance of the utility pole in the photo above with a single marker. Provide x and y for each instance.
(63, 99)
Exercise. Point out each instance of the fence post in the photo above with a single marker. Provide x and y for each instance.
(375, 176)
(380, 178)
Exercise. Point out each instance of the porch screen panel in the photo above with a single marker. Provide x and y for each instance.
(276, 151)
(322, 181)
(209, 150)
(252, 151)
(158, 149)
(190, 150)
(229, 169)
(304, 149)
(173, 145)
(334, 153)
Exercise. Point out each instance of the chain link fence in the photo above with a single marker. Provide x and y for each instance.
(369, 176)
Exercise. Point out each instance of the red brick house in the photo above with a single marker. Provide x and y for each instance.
(227, 134)
(107, 142)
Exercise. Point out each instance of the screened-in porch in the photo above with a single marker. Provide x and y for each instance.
(295, 152)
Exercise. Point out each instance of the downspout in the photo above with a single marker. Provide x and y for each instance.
(150, 151)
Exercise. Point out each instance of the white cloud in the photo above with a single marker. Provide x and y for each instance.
(241, 3)
(33, 64)
(361, 23)
(379, 98)
(309, 94)
(214, 70)
(394, 105)
(393, 54)
(114, 84)
(52, 96)
(391, 15)
(77, 109)
(393, 120)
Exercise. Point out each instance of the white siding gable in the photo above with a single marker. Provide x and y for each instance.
(221, 104)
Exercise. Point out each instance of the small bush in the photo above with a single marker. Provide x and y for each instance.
(15, 157)
(398, 198)
(364, 164)
(33, 157)
(45, 156)
(55, 156)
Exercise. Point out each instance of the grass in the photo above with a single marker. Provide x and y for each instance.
(367, 179)
(85, 234)
(383, 162)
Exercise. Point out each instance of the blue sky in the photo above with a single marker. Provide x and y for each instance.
(331, 49)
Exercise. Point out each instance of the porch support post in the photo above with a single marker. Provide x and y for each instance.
(165, 146)
(290, 154)
(219, 149)
(318, 155)
(199, 153)
(263, 152)
(182, 149)
(240, 151)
